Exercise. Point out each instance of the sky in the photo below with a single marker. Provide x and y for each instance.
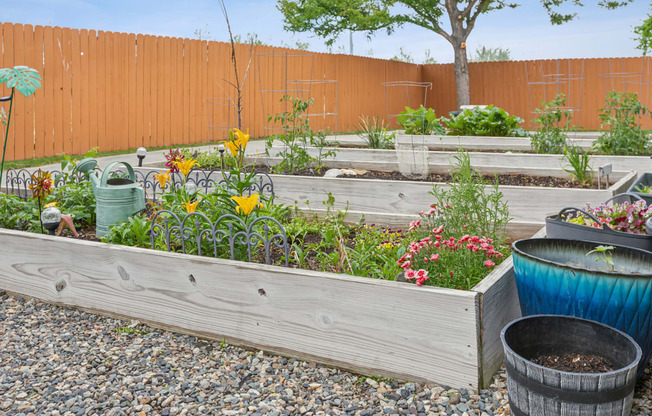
(525, 31)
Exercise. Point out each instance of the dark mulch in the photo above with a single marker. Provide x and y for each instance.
(575, 363)
(504, 179)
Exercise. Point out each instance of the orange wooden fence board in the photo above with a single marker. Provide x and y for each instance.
(121, 91)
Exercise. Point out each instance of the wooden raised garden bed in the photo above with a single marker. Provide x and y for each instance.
(395, 203)
(486, 163)
(375, 327)
(469, 143)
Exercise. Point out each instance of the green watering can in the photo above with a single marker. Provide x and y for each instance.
(116, 199)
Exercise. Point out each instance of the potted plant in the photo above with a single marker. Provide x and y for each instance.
(609, 284)
(643, 187)
(616, 223)
(560, 365)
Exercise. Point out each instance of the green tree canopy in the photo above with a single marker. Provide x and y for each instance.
(329, 18)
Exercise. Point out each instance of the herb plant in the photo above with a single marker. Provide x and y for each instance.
(579, 164)
(491, 121)
(622, 112)
(471, 205)
(374, 132)
(420, 121)
(554, 121)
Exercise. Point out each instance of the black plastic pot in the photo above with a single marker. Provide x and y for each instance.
(557, 227)
(643, 180)
(536, 390)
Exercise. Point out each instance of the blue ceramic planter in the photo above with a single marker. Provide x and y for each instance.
(557, 277)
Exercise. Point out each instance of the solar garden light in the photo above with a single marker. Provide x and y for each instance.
(220, 147)
(191, 187)
(141, 152)
(51, 217)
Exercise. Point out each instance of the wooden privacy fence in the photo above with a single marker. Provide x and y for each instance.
(120, 91)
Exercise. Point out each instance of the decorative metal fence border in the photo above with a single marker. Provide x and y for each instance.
(18, 181)
(198, 228)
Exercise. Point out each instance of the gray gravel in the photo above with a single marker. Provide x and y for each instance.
(60, 361)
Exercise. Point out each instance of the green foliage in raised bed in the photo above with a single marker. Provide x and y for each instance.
(420, 121)
(622, 113)
(490, 121)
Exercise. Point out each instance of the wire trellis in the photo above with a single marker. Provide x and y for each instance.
(195, 230)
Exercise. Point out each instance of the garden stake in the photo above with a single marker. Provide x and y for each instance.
(4, 149)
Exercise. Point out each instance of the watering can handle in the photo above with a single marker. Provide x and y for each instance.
(107, 170)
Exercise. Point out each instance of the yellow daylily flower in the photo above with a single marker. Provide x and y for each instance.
(242, 138)
(51, 204)
(247, 204)
(186, 166)
(162, 178)
(232, 147)
(191, 206)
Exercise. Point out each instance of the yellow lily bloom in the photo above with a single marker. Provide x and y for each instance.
(51, 204)
(247, 204)
(242, 138)
(232, 147)
(162, 179)
(191, 206)
(186, 165)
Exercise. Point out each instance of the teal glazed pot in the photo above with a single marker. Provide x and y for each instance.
(557, 277)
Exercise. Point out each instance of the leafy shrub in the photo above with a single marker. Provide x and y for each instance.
(625, 137)
(554, 121)
(471, 205)
(19, 214)
(133, 232)
(420, 121)
(374, 132)
(296, 136)
(490, 121)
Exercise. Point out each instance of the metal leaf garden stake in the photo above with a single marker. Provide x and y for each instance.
(26, 81)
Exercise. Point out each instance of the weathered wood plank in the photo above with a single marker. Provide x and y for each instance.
(475, 143)
(484, 163)
(526, 204)
(375, 327)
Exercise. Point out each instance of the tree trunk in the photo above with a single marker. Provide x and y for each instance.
(463, 86)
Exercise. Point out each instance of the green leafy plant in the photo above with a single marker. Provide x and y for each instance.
(133, 232)
(69, 165)
(644, 189)
(490, 121)
(420, 121)
(374, 132)
(296, 137)
(621, 113)
(604, 254)
(554, 120)
(471, 205)
(24, 80)
(579, 164)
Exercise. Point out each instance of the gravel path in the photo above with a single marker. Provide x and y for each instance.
(59, 361)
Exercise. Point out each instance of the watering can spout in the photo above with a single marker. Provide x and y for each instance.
(86, 166)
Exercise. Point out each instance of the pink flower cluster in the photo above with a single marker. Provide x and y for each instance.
(625, 217)
(424, 256)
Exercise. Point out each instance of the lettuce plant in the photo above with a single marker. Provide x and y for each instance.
(490, 121)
